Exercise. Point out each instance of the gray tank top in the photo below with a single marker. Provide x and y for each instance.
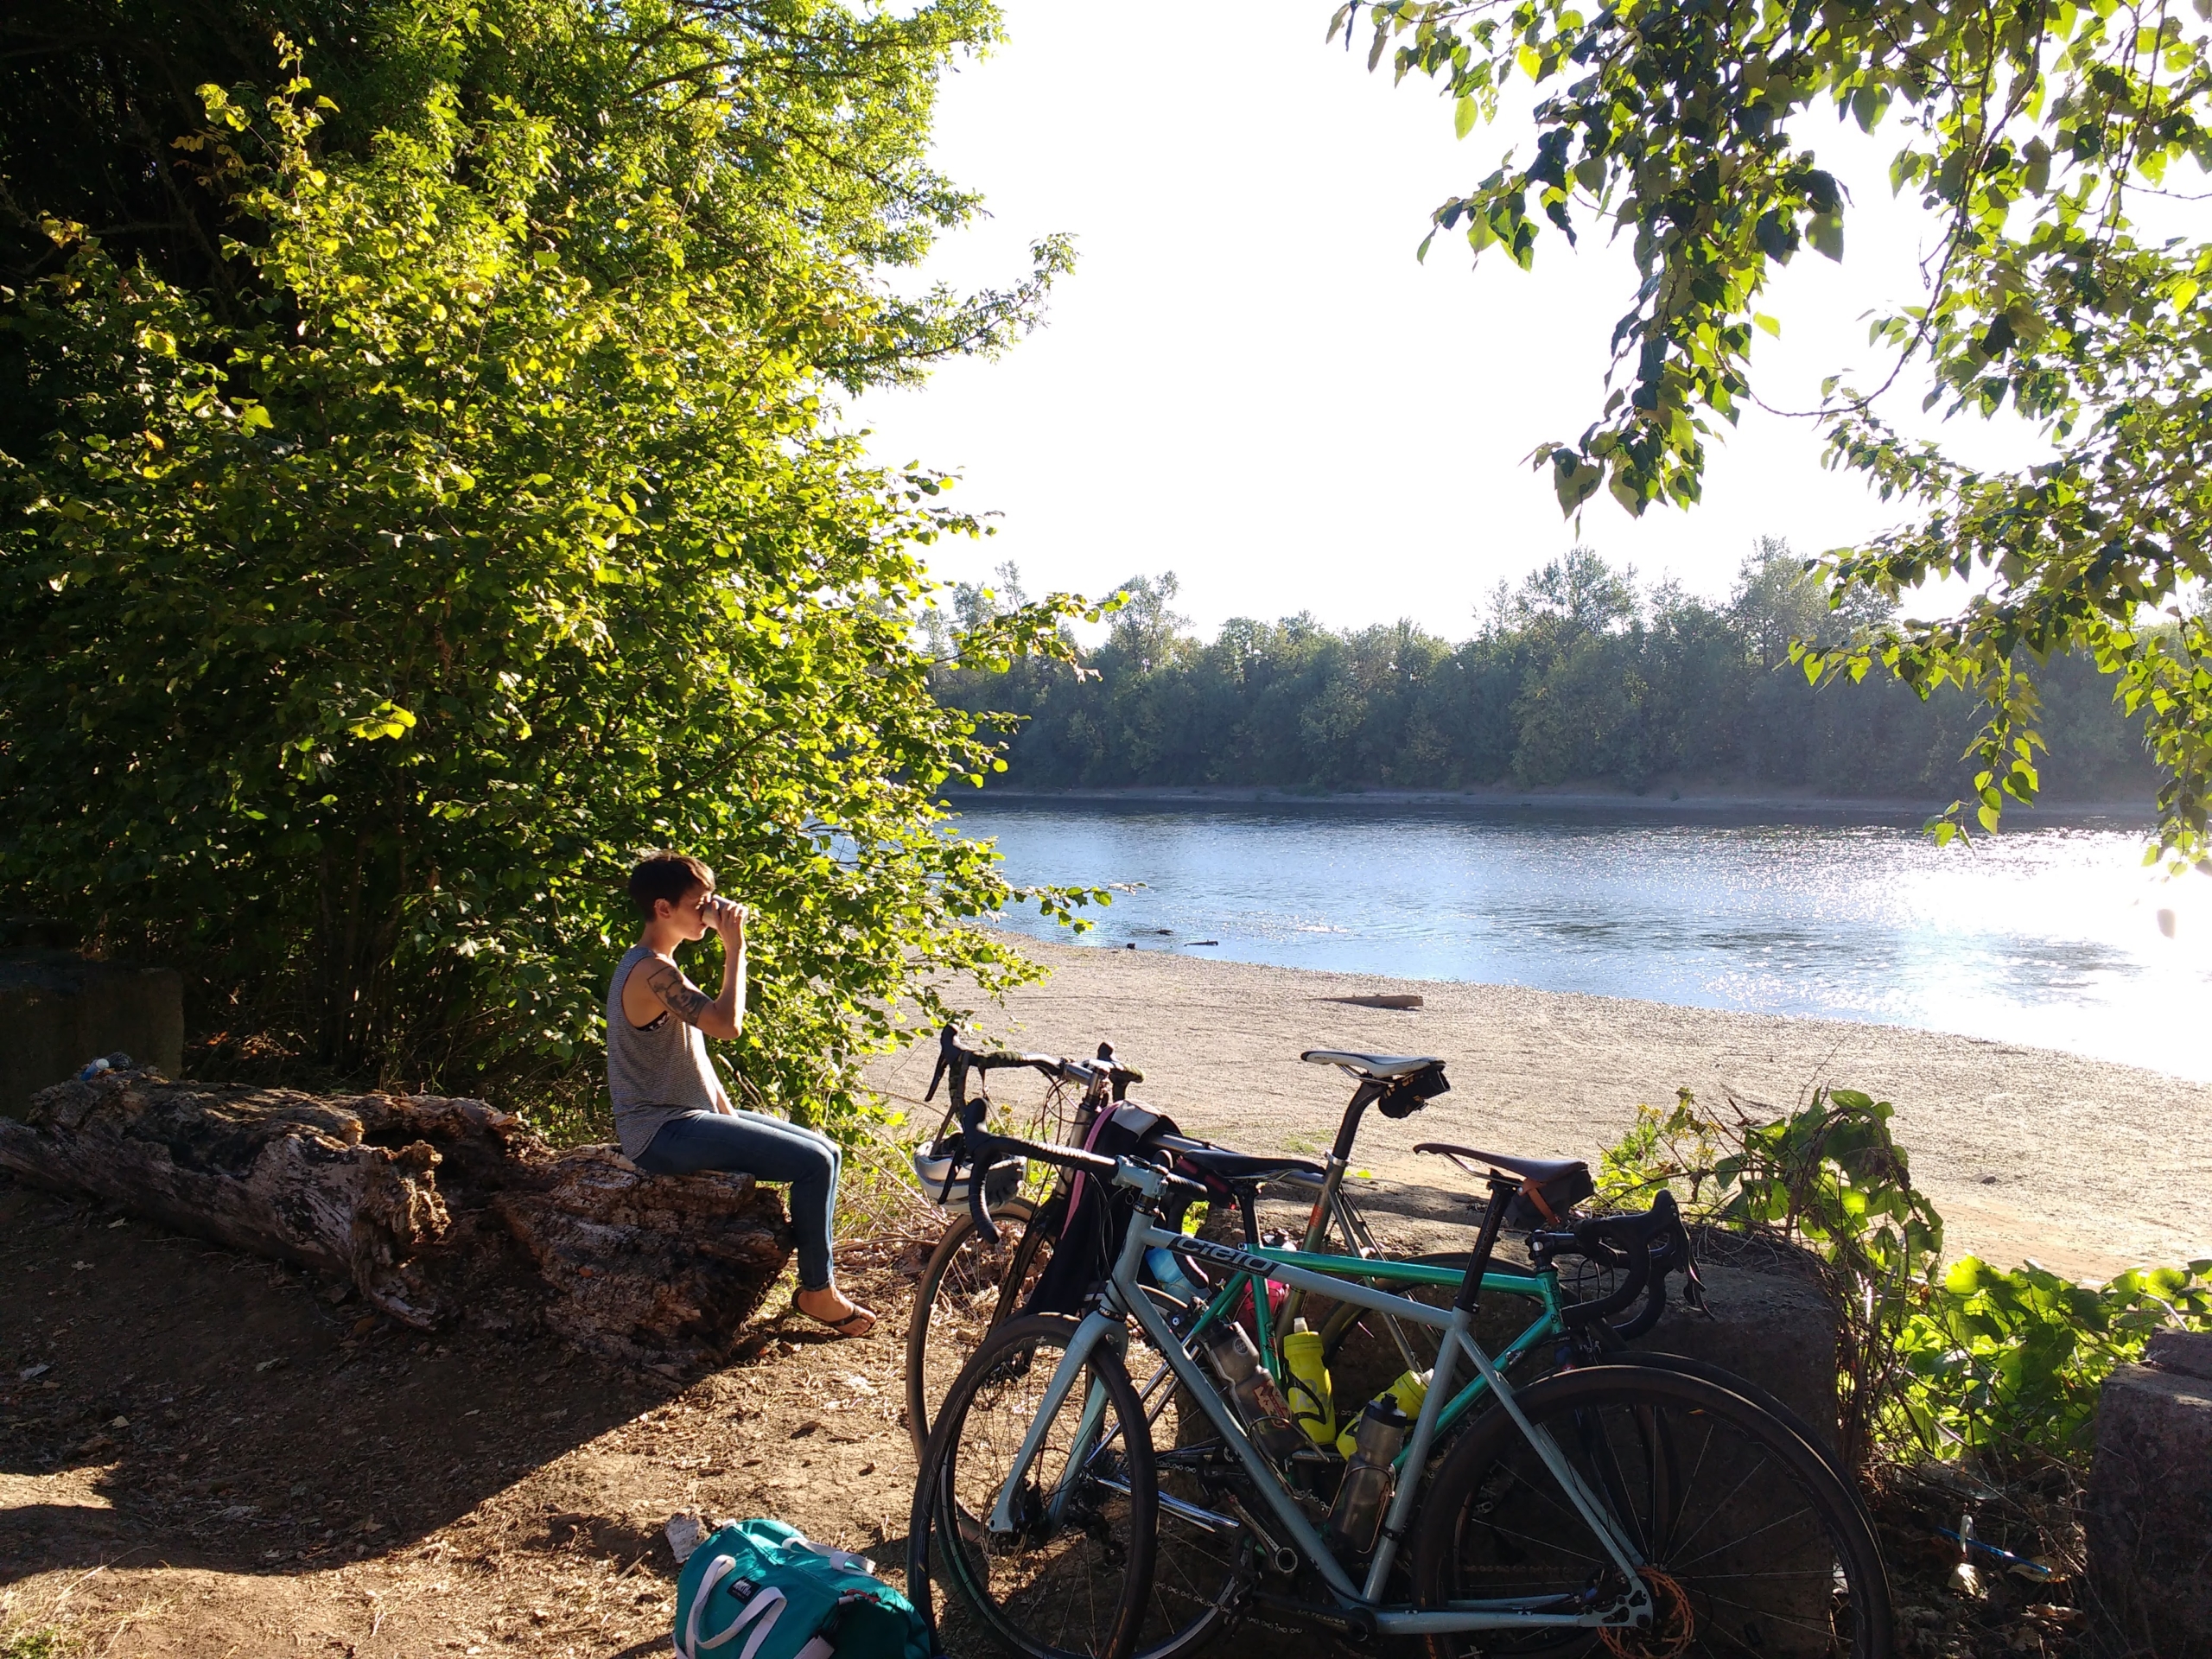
(654, 1072)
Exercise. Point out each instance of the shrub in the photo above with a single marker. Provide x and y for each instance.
(364, 614)
(1974, 1360)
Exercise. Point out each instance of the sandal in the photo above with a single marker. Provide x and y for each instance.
(858, 1323)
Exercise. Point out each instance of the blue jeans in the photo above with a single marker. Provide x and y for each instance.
(768, 1149)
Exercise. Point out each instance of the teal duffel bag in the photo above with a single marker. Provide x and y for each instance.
(761, 1590)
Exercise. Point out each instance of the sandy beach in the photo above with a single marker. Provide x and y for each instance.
(2087, 1166)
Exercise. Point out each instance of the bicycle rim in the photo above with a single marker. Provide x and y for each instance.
(960, 1296)
(1753, 1546)
(1069, 1577)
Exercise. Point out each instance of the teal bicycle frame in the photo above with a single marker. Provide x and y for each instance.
(1541, 1288)
(1123, 1299)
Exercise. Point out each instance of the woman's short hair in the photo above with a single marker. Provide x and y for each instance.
(667, 875)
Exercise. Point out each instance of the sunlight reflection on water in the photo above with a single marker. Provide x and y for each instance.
(2047, 936)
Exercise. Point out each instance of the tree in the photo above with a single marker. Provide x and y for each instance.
(2029, 131)
(1581, 590)
(1144, 625)
(1778, 600)
(369, 600)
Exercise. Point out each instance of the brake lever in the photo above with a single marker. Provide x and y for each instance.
(947, 1042)
(981, 1148)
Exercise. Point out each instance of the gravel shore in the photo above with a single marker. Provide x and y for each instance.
(2085, 1165)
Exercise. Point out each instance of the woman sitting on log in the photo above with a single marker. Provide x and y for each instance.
(670, 1107)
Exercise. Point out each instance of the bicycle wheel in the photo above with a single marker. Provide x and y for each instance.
(1753, 1546)
(1070, 1578)
(1206, 1560)
(1765, 1400)
(967, 1287)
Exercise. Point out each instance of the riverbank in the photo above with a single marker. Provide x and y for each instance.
(1663, 796)
(2086, 1166)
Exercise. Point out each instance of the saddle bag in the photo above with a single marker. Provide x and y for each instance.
(1562, 1192)
(1403, 1096)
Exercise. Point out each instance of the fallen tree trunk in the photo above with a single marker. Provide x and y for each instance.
(437, 1209)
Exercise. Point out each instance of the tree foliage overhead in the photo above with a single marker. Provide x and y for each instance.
(375, 586)
(2030, 132)
(1580, 674)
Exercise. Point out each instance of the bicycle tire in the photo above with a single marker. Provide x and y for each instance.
(1765, 1399)
(1028, 1588)
(961, 1271)
(1804, 1576)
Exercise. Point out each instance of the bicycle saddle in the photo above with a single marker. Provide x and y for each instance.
(1235, 1167)
(1370, 1065)
(1549, 1186)
(1543, 1171)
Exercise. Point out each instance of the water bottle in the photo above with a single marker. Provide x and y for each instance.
(1313, 1405)
(1356, 1516)
(1166, 1269)
(1406, 1393)
(1251, 1390)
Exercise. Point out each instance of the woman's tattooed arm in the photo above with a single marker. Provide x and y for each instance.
(676, 994)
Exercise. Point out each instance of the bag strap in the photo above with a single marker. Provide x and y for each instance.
(768, 1601)
(844, 1559)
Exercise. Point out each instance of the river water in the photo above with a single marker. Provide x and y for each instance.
(2055, 936)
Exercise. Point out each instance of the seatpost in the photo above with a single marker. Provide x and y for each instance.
(1366, 1095)
(1501, 1190)
(1317, 1223)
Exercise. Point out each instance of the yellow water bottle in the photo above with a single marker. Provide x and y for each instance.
(1312, 1407)
(1406, 1394)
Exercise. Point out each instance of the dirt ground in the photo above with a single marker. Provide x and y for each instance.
(2089, 1166)
(202, 1455)
(205, 1455)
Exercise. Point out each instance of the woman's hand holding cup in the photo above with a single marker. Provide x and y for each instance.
(728, 920)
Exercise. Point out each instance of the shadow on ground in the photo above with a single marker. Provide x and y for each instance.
(216, 1410)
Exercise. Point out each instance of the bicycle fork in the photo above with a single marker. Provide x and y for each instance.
(1095, 1328)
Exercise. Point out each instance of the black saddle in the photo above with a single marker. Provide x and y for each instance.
(1549, 1186)
(1236, 1168)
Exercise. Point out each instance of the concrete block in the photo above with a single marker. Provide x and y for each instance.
(2148, 1516)
(59, 1010)
(2189, 1352)
(1771, 1323)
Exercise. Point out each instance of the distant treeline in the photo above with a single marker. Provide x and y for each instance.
(1581, 676)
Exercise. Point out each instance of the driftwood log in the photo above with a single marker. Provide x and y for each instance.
(439, 1210)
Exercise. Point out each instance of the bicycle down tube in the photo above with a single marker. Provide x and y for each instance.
(1105, 1323)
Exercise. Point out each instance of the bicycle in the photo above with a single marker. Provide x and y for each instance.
(1565, 1519)
(966, 1274)
(971, 1282)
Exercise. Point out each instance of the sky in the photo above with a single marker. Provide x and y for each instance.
(1251, 381)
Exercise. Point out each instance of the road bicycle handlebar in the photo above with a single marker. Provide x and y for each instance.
(956, 1058)
(1646, 1247)
(981, 1149)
